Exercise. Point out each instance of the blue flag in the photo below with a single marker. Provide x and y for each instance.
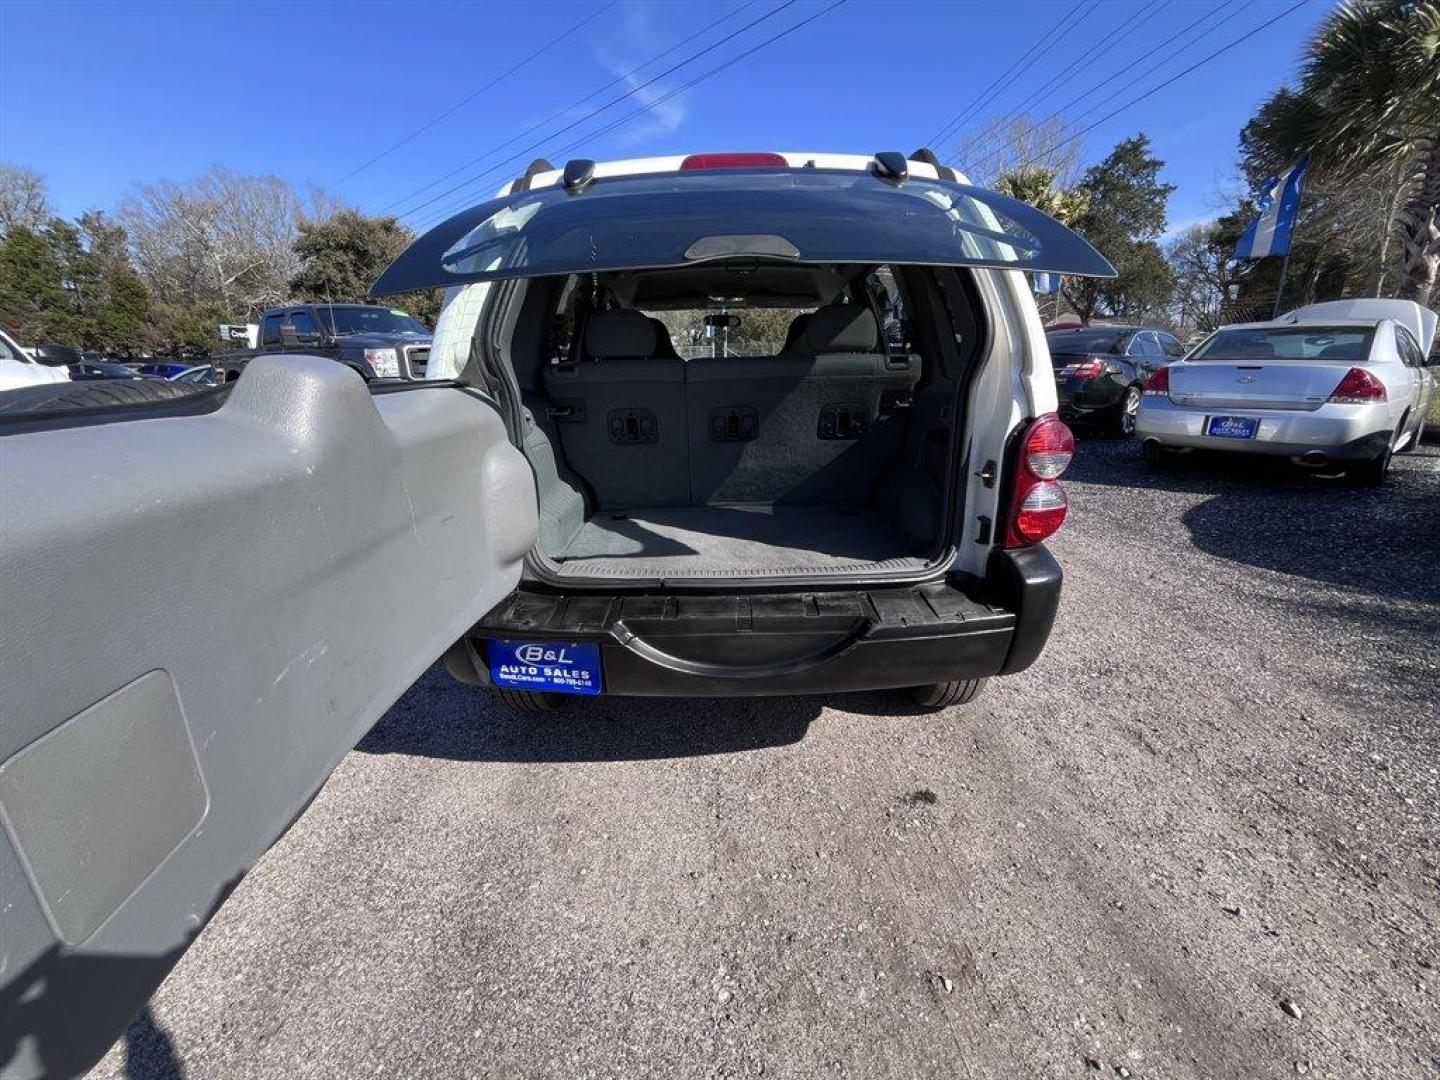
(1046, 283)
(1269, 234)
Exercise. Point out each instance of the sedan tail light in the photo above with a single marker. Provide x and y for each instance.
(1357, 387)
(1158, 382)
(1085, 369)
(1038, 503)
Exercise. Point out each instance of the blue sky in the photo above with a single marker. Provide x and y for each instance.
(312, 90)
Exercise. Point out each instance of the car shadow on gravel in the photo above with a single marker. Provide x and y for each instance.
(1274, 516)
(439, 717)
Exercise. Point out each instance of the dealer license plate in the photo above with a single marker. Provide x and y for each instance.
(557, 666)
(1232, 427)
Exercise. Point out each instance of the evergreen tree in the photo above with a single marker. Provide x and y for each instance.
(1123, 217)
(342, 256)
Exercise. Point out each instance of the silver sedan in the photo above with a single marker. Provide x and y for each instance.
(1338, 384)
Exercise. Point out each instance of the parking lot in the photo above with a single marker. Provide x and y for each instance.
(1197, 839)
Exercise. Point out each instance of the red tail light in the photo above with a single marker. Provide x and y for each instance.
(1085, 369)
(733, 161)
(1358, 386)
(1037, 502)
(1158, 382)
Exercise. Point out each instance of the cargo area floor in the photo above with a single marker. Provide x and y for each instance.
(737, 541)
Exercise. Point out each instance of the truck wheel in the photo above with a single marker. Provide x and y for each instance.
(532, 701)
(99, 394)
(943, 695)
(1123, 426)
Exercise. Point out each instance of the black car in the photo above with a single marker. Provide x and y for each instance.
(82, 366)
(1099, 372)
(101, 369)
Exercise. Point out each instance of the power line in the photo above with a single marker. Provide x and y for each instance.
(988, 94)
(751, 51)
(557, 114)
(596, 112)
(1173, 79)
(1104, 82)
(471, 97)
(1086, 54)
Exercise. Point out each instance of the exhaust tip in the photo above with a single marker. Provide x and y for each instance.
(1314, 457)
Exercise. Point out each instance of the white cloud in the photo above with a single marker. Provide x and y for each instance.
(662, 117)
(1188, 223)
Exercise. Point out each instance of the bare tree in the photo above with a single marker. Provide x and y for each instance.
(1014, 144)
(220, 238)
(1200, 259)
(22, 198)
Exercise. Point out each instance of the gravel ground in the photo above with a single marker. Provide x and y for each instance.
(1197, 839)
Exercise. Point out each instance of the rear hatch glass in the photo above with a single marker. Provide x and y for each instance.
(681, 219)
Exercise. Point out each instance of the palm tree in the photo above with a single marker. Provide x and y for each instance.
(1369, 99)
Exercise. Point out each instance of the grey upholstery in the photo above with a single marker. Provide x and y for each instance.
(623, 332)
(731, 429)
(620, 413)
(664, 347)
(787, 460)
(840, 328)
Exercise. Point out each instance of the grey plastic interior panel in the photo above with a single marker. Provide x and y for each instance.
(292, 561)
(97, 804)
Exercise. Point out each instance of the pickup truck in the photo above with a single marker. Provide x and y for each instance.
(378, 342)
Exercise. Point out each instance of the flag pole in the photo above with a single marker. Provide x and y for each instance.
(1280, 289)
(1303, 167)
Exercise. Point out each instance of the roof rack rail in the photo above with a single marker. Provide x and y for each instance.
(927, 156)
(536, 167)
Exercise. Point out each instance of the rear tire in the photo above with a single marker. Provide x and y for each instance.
(532, 702)
(1123, 426)
(1156, 455)
(1415, 437)
(1371, 473)
(943, 695)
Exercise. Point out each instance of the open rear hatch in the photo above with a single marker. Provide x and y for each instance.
(685, 218)
(700, 524)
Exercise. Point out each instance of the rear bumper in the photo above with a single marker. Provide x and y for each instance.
(1338, 432)
(792, 643)
(1079, 400)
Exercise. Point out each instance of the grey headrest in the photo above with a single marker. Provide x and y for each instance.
(843, 328)
(622, 332)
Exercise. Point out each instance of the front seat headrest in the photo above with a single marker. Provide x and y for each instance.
(796, 331)
(843, 328)
(664, 347)
(619, 332)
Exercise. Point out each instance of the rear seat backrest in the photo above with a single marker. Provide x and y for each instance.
(620, 413)
(807, 427)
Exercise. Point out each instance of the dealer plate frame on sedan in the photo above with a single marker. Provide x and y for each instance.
(1232, 427)
(556, 667)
